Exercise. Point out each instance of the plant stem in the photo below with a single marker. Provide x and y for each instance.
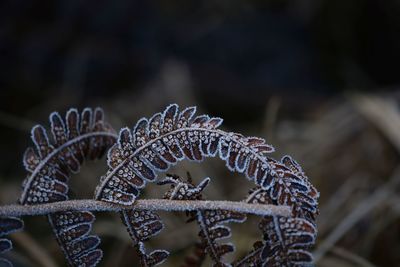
(144, 204)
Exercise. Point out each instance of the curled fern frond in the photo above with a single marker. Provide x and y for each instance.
(8, 225)
(287, 241)
(135, 157)
(80, 137)
(141, 226)
(210, 221)
(291, 188)
(157, 143)
(56, 158)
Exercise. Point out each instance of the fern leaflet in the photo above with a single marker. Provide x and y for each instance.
(8, 225)
(141, 226)
(287, 241)
(49, 168)
(210, 221)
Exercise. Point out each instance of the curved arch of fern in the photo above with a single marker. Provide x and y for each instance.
(136, 156)
(78, 138)
(156, 144)
(166, 138)
(72, 142)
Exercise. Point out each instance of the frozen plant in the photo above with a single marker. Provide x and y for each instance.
(283, 196)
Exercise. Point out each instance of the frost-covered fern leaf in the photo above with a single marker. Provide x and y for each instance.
(313, 194)
(293, 188)
(210, 221)
(154, 258)
(57, 156)
(8, 225)
(80, 137)
(181, 190)
(72, 230)
(141, 226)
(155, 144)
(287, 241)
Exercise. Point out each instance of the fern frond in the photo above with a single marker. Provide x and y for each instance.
(210, 221)
(49, 168)
(293, 189)
(8, 225)
(55, 159)
(141, 226)
(72, 230)
(157, 143)
(291, 182)
(287, 241)
(137, 157)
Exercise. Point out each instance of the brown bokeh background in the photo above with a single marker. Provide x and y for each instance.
(318, 79)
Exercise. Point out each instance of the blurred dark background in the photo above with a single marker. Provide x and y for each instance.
(249, 50)
(298, 72)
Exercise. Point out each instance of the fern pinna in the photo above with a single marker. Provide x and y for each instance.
(141, 226)
(137, 156)
(80, 137)
(8, 225)
(210, 221)
(286, 240)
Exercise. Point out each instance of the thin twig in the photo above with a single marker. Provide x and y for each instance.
(361, 210)
(144, 204)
